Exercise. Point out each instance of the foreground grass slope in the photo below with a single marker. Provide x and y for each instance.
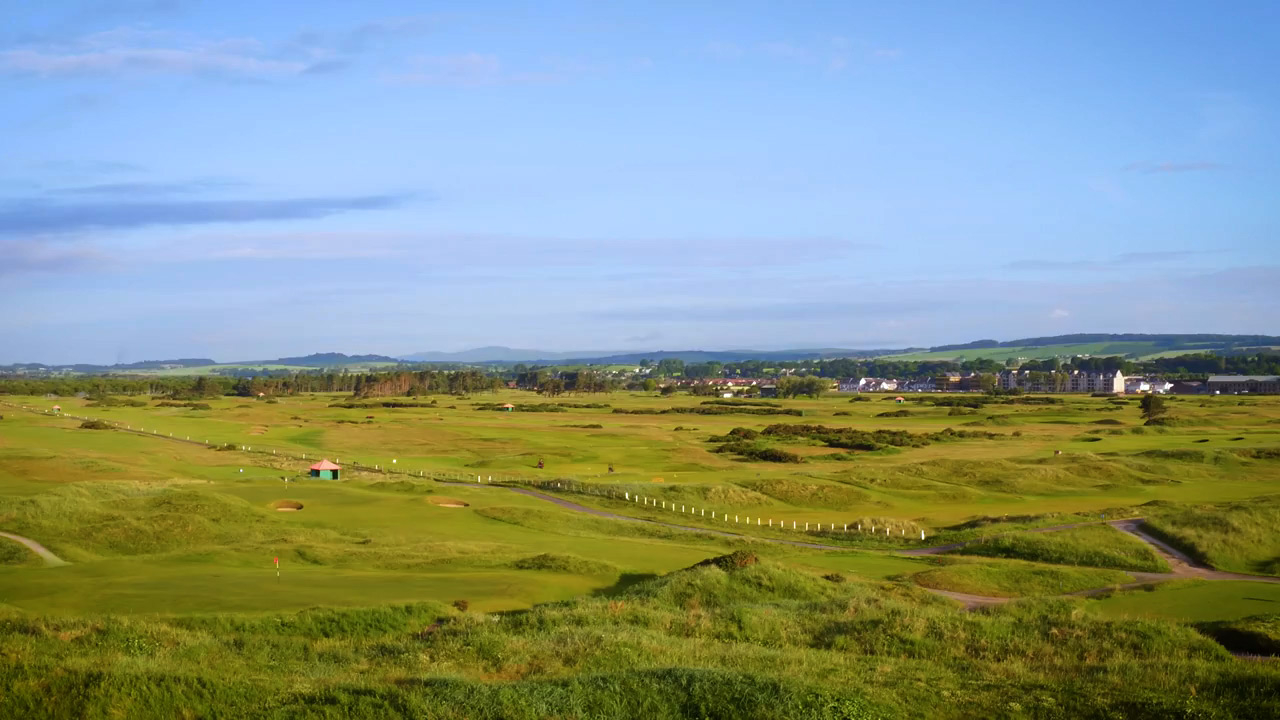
(733, 639)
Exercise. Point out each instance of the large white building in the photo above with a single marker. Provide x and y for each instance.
(1075, 381)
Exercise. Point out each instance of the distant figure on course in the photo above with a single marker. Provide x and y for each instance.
(539, 463)
(610, 467)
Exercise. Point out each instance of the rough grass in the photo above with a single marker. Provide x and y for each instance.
(1017, 579)
(1254, 635)
(1095, 545)
(1230, 536)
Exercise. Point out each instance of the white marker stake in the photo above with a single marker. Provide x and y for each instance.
(793, 524)
(735, 518)
(806, 527)
(628, 495)
(757, 522)
(846, 527)
(922, 535)
(681, 508)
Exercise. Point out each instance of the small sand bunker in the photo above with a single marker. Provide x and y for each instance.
(447, 502)
(286, 506)
(259, 430)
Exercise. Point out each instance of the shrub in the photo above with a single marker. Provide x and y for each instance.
(461, 605)
(96, 425)
(859, 398)
(895, 414)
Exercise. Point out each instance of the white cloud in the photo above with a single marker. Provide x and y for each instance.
(1059, 313)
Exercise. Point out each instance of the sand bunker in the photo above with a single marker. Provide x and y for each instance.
(286, 506)
(447, 502)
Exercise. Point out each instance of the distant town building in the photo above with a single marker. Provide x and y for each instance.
(1237, 384)
(1075, 381)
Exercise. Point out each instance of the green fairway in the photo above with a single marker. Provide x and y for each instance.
(1193, 601)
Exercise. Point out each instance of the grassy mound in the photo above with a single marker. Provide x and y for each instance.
(1017, 579)
(551, 562)
(804, 494)
(1095, 546)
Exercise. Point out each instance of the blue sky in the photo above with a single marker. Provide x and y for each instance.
(248, 180)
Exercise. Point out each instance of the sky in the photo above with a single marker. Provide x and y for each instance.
(246, 180)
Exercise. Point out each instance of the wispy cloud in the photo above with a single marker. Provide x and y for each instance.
(1122, 261)
(1059, 313)
(18, 257)
(151, 189)
(853, 311)
(467, 70)
(132, 51)
(376, 32)
(41, 216)
(1150, 168)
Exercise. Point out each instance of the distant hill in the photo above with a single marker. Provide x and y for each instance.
(1132, 345)
(325, 360)
(1166, 341)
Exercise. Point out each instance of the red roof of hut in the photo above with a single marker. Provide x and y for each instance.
(325, 465)
(508, 405)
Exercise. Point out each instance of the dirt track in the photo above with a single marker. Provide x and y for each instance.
(45, 554)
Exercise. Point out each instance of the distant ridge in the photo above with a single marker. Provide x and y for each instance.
(1171, 340)
(325, 360)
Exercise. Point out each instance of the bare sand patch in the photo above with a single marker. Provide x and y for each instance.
(447, 502)
(286, 506)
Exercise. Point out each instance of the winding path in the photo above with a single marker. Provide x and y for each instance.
(45, 554)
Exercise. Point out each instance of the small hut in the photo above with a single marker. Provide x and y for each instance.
(57, 408)
(508, 407)
(325, 470)
(899, 400)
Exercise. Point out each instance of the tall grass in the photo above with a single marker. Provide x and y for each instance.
(1232, 536)
(1094, 545)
